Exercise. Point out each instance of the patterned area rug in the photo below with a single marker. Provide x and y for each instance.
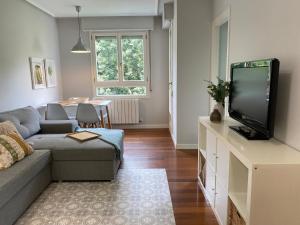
(136, 197)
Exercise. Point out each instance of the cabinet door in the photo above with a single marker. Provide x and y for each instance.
(222, 166)
(211, 149)
(221, 203)
(210, 185)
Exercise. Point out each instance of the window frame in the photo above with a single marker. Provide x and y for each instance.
(121, 82)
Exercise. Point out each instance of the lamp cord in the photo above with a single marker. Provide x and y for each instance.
(79, 25)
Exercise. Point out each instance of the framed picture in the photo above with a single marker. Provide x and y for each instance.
(37, 73)
(50, 72)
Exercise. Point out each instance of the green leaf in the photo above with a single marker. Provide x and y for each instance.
(218, 91)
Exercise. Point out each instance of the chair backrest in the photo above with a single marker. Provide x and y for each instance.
(55, 111)
(86, 113)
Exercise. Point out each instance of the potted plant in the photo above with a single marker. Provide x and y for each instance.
(218, 92)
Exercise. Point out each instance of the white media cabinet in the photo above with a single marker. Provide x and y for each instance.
(261, 178)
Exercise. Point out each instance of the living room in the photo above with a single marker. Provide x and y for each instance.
(144, 68)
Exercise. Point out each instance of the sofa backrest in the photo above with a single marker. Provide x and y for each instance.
(26, 120)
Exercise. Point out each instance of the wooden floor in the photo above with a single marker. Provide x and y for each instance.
(154, 149)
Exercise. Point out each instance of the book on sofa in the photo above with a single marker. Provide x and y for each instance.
(83, 136)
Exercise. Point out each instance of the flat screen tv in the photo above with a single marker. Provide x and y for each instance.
(252, 98)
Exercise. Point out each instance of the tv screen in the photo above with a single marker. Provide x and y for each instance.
(253, 94)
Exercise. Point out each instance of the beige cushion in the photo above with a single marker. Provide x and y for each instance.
(12, 149)
(8, 127)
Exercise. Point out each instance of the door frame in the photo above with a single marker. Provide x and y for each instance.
(216, 25)
(171, 86)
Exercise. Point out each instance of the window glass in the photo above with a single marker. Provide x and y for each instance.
(117, 91)
(106, 58)
(133, 57)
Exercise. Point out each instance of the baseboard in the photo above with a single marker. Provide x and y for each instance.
(140, 126)
(187, 146)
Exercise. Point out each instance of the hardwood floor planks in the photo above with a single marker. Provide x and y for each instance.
(153, 148)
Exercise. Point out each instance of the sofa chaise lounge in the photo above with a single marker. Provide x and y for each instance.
(56, 158)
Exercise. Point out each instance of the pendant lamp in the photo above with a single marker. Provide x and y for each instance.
(79, 47)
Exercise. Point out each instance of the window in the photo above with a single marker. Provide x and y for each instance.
(121, 64)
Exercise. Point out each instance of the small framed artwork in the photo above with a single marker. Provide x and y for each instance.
(50, 72)
(37, 73)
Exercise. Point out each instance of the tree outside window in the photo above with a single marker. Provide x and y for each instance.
(121, 64)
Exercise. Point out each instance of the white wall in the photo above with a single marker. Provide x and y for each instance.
(25, 32)
(264, 29)
(193, 67)
(219, 6)
(76, 68)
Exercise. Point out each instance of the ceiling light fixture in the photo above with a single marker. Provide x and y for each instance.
(79, 47)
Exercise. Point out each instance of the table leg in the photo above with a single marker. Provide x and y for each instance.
(108, 118)
(102, 118)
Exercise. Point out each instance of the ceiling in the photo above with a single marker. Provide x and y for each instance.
(90, 8)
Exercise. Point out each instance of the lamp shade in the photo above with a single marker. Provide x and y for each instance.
(79, 47)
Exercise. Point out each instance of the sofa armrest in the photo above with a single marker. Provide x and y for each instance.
(58, 126)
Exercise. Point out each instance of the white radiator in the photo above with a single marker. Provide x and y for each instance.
(124, 111)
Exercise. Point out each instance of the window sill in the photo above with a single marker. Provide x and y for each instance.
(122, 97)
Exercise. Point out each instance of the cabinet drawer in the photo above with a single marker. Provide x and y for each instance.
(221, 203)
(222, 165)
(210, 185)
(211, 149)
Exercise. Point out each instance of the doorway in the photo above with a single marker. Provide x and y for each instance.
(220, 50)
(171, 84)
(223, 47)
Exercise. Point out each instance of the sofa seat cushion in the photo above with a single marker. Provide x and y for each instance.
(67, 149)
(16, 177)
(112, 136)
(26, 120)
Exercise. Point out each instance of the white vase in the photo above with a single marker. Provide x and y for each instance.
(219, 106)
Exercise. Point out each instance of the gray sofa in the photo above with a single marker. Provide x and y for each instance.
(56, 158)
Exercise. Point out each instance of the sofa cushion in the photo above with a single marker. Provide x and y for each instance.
(65, 148)
(114, 137)
(58, 126)
(12, 149)
(26, 120)
(13, 179)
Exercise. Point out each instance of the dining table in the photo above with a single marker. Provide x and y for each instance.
(102, 104)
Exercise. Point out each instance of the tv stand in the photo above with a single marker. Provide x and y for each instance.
(249, 133)
(259, 179)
